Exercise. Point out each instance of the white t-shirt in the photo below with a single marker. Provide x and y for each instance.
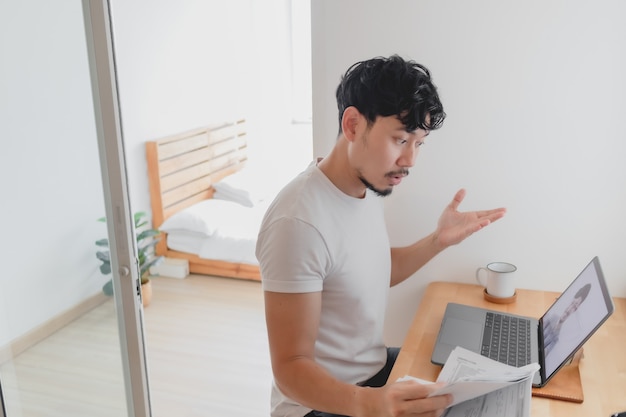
(316, 238)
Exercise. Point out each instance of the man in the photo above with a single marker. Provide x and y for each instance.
(325, 258)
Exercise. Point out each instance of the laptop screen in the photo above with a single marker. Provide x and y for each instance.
(574, 317)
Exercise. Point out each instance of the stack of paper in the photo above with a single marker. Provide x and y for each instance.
(482, 387)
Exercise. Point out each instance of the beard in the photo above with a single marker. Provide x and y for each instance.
(377, 191)
(384, 192)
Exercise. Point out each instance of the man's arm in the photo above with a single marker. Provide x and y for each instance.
(453, 227)
(292, 325)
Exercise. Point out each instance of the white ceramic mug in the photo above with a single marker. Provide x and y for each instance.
(500, 280)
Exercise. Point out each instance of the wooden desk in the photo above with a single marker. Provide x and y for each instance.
(602, 369)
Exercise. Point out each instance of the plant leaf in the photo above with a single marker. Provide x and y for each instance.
(138, 217)
(105, 268)
(104, 256)
(103, 242)
(107, 288)
(147, 233)
(146, 266)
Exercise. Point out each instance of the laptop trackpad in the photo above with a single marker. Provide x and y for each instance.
(458, 332)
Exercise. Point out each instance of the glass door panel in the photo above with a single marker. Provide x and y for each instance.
(61, 350)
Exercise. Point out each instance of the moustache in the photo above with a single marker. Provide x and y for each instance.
(399, 173)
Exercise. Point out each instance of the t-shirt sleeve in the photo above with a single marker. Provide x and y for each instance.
(292, 256)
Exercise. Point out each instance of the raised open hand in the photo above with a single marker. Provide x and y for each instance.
(454, 226)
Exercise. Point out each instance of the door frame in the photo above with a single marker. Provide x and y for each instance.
(122, 244)
(3, 411)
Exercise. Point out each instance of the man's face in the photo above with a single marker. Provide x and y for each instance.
(383, 153)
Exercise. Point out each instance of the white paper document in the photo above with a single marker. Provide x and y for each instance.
(482, 387)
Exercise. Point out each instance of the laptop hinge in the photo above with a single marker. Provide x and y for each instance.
(542, 359)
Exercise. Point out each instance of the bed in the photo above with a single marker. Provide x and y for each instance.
(204, 199)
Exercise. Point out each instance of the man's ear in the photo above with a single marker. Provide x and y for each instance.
(350, 122)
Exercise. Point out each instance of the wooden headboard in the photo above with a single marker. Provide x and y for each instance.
(181, 171)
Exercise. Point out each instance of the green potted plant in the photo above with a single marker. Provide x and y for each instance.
(147, 238)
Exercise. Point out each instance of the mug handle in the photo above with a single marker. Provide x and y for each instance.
(479, 278)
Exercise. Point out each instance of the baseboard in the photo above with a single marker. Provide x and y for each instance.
(44, 330)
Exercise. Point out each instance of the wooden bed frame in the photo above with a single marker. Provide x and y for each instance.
(181, 171)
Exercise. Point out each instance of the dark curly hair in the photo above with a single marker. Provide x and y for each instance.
(391, 87)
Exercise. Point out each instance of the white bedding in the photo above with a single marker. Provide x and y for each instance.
(226, 226)
(185, 242)
(224, 248)
(218, 230)
(233, 238)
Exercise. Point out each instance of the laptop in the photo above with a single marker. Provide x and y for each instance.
(551, 341)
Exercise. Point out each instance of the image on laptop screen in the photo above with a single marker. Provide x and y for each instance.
(581, 308)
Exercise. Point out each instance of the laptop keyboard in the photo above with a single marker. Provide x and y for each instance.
(506, 339)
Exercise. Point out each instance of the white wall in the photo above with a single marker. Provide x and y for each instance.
(49, 168)
(535, 97)
(186, 64)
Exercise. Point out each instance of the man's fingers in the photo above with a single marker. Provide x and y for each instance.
(458, 198)
(482, 215)
(492, 215)
(412, 398)
(414, 390)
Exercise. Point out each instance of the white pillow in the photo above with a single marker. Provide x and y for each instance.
(245, 187)
(204, 217)
(237, 196)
